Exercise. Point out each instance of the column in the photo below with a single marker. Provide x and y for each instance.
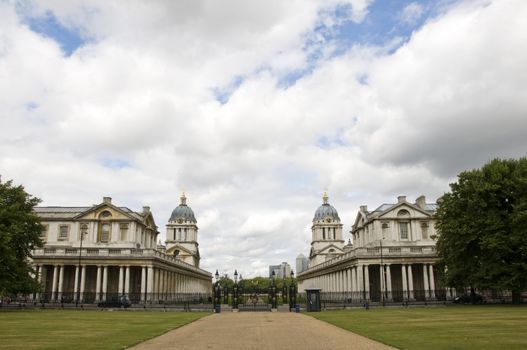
(121, 280)
(349, 284)
(98, 284)
(425, 281)
(389, 282)
(61, 281)
(83, 282)
(383, 283)
(150, 283)
(54, 285)
(127, 280)
(143, 283)
(353, 280)
(76, 283)
(410, 283)
(39, 280)
(104, 282)
(367, 282)
(405, 283)
(432, 282)
(360, 281)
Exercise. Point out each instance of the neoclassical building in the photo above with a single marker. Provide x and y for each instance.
(392, 257)
(99, 252)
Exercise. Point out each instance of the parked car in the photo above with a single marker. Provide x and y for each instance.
(467, 299)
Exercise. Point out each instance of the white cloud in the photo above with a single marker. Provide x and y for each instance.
(412, 12)
(367, 125)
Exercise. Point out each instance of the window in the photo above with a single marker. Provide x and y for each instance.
(124, 231)
(104, 232)
(105, 214)
(403, 230)
(44, 233)
(334, 234)
(83, 231)
(323, 233)
(63, 232)
(424, 230)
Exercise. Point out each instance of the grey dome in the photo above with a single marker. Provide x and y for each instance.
(183, 211)
(326, 210)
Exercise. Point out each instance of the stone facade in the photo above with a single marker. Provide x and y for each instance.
(392, 257)
(93, 254)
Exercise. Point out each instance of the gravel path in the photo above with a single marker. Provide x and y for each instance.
(259, 330)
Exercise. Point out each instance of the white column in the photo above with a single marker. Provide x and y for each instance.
(150, 284)
(121, 280)
(83, 282)
(367, 282)
(425, 281)
(76, 283)
(410, 283)
(104, 282)
(389, 282)
(98, 284)
(353, 279)
(143, 283)
(54, 285)
(127, 280)
(61, 281)
(432, 282)
(405, 282)
(39, 280)
(349, 284)
(383, 284)
(360, 280)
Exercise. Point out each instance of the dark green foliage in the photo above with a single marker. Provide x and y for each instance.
(482, 226)
(20, 231)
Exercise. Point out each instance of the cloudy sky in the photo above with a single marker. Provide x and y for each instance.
(254, 108)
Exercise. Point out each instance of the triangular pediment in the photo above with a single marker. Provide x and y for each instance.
(94, 213)
(326, 250)
(392, 212)
(181, 249)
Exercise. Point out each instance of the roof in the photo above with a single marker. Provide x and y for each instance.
(55, 212)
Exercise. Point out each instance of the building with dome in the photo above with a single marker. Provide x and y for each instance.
(182, 234)
(103, 252)
(326, 234)
(391, 259)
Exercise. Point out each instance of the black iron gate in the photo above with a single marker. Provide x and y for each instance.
(254, 299)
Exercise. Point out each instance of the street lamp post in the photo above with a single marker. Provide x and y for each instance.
(292, 292)
(79, 271)
(217, 292)
(381, 271)
(235, 291)
(273, 291)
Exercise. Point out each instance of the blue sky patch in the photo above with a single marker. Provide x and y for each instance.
(48, 26)
(116, 163)
(223, 94)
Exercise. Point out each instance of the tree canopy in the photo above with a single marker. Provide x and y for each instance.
(20, 231)
(482, 226)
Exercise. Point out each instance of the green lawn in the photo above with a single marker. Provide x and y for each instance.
(72, 329)
(453, 327)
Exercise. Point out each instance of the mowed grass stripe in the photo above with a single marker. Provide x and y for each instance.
(72, 329)
(453, 327)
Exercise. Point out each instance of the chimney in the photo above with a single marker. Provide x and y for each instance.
(107, 200)
(146, 210)
(421, 202)
(401, 199)
(364, 208)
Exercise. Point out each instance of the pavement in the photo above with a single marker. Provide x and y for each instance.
(258, 331)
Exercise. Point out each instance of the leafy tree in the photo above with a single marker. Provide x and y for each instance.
(20, 231)
(482, 226)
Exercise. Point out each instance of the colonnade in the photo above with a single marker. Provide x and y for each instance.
(360, 279)
(156, 283)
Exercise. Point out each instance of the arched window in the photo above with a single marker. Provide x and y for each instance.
(105, 227)
(404, 226)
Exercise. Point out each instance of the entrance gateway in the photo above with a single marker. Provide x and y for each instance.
(248, 296)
